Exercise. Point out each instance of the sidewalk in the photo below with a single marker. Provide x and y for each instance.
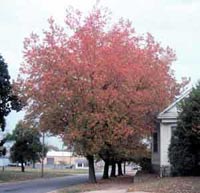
(114, 191)
(108, 191)
(119, 187)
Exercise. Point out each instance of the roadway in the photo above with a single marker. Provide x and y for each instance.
(43, 185)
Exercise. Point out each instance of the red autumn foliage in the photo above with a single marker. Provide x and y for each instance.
(95, 83)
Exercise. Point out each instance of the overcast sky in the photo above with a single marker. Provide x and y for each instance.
(175, 23)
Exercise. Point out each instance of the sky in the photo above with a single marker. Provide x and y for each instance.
(173, 23)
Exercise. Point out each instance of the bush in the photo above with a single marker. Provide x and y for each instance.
(145, 163)
(184, 151)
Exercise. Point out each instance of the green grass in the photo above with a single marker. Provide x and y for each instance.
(14, 174)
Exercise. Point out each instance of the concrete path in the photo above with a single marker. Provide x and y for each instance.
(114, 191)
(109, 191)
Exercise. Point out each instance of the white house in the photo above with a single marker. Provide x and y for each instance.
(167, 122)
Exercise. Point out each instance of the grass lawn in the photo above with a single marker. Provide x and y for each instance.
(143, 182)
(14, 173)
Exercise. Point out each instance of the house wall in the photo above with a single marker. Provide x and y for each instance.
(160, 159)
(165, 136)
(155, 156)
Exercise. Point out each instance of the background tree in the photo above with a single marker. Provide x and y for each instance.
(8, 100)
(184, 151)
(27, 146)
(92, 83)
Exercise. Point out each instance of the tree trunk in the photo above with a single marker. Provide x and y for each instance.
(22, 167)
(124, 167)
(119, 164)
(113, 170)
(106, 169)
(92, 177)
(33, 164)
(196, 170)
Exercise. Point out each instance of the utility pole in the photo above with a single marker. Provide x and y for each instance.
(42, 166)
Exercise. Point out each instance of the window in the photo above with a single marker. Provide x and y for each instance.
(155, 142)
(80, 165)
(173, 128)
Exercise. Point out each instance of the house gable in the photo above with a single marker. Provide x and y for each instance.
(170, 113)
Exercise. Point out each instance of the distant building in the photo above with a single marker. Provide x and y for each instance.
(65, 159)
(162, 136)
(5, 160)
(81, 163)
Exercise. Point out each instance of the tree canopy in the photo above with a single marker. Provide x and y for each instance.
(184, 151)
(94, 83)
(8, 100)
(27, 146)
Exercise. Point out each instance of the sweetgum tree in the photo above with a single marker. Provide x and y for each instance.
(93, 83)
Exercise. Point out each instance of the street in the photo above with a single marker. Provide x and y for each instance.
(43, 185)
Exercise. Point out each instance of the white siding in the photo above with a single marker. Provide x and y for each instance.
(165, 139)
